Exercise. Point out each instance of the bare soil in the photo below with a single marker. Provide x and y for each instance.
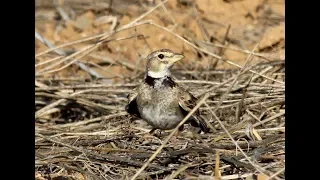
(234, 52)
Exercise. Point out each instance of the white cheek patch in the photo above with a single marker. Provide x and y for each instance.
(160, 74)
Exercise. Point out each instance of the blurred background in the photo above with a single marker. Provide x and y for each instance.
(229, 29)
(89, 54)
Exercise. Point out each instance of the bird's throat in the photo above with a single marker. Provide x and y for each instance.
(160, 74)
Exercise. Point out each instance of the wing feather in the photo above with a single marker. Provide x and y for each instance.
(132, 107)
(187, 102)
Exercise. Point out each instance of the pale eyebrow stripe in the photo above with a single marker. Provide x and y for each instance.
(166, 54)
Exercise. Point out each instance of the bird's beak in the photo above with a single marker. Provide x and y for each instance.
(176, 57)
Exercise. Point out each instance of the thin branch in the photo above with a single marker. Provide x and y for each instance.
(170, 135)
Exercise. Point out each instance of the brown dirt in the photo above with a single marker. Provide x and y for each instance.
(251, 22)
(82, 131)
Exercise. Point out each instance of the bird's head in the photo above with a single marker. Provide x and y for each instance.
(159, 62)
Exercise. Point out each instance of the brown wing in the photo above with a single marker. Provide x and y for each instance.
(187, 102)
(132, 107)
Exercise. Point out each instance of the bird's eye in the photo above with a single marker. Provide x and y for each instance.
(161, 56)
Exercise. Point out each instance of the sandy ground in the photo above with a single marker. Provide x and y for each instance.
(82, 130)
(250, 25)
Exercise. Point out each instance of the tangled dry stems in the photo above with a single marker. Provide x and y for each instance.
(81, 126)
(82, 129)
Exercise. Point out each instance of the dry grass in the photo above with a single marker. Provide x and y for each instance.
(83, 132)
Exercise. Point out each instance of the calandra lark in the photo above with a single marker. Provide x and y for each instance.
(159, 100)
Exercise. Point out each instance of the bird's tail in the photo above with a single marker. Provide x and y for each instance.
(200, 122)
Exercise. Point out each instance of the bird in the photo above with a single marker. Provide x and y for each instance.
(160, 101)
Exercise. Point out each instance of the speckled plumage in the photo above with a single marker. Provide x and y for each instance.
(159, 100)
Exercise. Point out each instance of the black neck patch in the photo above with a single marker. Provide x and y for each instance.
(165, 81)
